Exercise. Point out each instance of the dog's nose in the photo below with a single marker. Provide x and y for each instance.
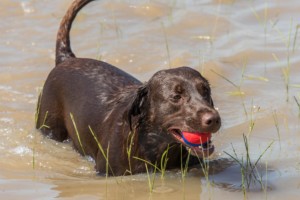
(211, 121)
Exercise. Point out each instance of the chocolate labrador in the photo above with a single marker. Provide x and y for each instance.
(117, 120)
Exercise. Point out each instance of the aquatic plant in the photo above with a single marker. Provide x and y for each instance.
(275, 118)
(105, 155)
(252, 119)
(37, 112)
(184, 166)
(77, 133)
(163, 162)
(249, 172)
(290, 46)
(263, 21)
(129, 146)
(167, 44)
(238, 87)
(151, 179)
(298, 104)
(38, 106)
(205, 167)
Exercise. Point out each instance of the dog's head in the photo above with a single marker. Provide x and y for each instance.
(178, 101)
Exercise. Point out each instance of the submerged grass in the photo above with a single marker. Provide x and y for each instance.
(151, 179)
(148, 163)
(37, 113)
(167, 44)
(129, 146)
(238, 91)
(259, 78)
(105, 155)
(252, 119)
(295, 85)
(266, 182)
(163, 162)
(291, 46)
(298, 104)
(205, 167)
(38, 107)
(275, 118)
(237, 86)
(44, 122)
(226, 79)
(286, 74)
(77, 133)
(116, 25)
(262, 20)
(33, 158)
(37, 110)
(249, 172)
(184, 166)
(98, 55)
(295, 37)
(42, 126)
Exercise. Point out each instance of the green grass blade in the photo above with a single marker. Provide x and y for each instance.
(77, 133)
(226, 79)
(147, 162)
(259, 78)
(105, 155)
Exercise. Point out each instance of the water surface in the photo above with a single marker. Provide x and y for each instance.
(247, 49)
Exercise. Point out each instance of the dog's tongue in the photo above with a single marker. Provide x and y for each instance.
(195, 139)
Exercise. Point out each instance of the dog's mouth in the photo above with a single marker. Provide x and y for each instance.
(200, 144)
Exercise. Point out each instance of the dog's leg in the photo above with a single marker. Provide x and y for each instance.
(49, 120)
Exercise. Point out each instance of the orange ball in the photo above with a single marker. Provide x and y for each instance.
(196, 139)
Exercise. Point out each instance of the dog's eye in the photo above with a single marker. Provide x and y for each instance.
(177, 97)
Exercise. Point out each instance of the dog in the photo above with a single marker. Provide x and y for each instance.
(120, 122)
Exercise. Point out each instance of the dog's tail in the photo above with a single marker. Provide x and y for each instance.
(63, 47)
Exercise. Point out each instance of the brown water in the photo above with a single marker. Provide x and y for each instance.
(250, 42)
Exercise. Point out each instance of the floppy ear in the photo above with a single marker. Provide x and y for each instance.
(138, 104)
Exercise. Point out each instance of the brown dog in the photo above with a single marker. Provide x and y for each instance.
(114, 118)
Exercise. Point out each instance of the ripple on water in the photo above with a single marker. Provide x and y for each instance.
(27, 7)
(7, 120)
(21, 150)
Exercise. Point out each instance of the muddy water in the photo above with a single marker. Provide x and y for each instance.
(248, 49)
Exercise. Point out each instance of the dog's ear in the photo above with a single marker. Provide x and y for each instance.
(138, 104)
